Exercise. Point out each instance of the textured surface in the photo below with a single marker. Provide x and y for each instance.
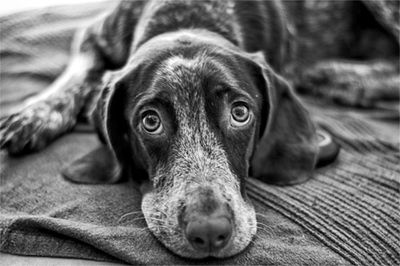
(349, 212)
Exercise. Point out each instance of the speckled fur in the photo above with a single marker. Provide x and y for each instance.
(197, 161)
(146, 41)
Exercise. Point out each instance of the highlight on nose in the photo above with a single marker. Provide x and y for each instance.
(209, 234)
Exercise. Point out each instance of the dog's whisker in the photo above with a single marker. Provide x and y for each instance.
(263, 230)
(257, 237)
(262, 215)
(129, 214)
(262, 224)
(262, 227)
(253, 241)
(134, 220)
(161, 226)
(165, 228)
(155, 219)
(162, 212)
(139, 230)
(134, 212)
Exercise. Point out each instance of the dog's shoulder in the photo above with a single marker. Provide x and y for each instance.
(264, 27)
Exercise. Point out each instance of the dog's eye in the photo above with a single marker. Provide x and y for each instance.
(240, 114)
(151, 122)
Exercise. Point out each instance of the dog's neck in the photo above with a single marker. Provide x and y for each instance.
(167, 16)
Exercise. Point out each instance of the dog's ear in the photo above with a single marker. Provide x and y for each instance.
(287, 148)
(96, 167)
(104, 164)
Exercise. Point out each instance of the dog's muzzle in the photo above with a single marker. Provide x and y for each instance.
(207, 222)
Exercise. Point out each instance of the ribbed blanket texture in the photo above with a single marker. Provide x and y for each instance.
(347, 214)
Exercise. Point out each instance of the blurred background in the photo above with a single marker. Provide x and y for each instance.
(8, 7)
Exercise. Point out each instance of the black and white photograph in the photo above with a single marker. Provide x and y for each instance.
(199, 132)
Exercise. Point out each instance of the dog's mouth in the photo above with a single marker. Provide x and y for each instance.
(201, 225)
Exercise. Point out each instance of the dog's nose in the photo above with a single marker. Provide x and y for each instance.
(209, 234)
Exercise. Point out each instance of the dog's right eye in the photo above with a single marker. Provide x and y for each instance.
(240, 115)
(151, 122)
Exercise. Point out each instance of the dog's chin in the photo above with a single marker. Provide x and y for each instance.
(183, 248)
(186, 251)
(169, 233)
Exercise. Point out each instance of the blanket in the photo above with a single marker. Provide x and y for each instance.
(347, 214)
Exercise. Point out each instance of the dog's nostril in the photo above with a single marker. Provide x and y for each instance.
(221, 238)
(209, 234)
(199, 241)
(220, 241)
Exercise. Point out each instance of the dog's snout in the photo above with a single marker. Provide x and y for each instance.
(209, 233)
(207, 221)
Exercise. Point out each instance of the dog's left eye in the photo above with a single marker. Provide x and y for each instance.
(240, 114)
(151, 122)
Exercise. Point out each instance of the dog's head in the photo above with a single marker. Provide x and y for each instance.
(197, 115)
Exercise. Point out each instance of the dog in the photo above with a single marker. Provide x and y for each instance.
(188, 101)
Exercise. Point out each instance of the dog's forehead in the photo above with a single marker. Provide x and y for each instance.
(185, 75)
(197, 76)
(183, 60)
(178, 61)
(187, 81)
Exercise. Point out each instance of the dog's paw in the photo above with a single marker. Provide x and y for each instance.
(30, 129)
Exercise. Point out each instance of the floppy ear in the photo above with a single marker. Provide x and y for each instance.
(104, 164)
(287, 149)
(95, 167)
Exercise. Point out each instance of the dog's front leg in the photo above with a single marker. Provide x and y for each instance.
(105, 45)
(54, 111)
